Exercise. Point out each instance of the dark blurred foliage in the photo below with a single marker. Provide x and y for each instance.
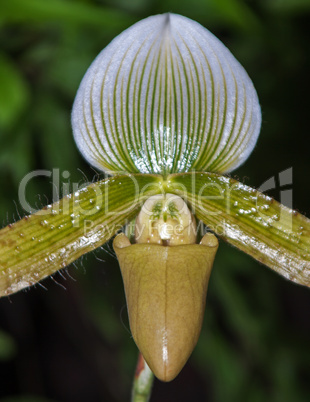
(74, 344)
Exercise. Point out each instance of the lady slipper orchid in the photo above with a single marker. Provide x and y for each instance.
(165, 110)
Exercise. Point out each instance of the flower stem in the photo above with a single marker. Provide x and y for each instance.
(142, 384)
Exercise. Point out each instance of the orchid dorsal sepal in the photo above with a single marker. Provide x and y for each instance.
(166, 96)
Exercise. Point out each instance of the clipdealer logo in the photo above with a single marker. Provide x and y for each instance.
(211, 192)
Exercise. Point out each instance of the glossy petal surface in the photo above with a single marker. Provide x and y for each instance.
(166, 293)
(42, 243)
(166, 96)
(260, 226)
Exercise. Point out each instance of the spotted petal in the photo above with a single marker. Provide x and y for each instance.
(41, 244)
(166, 96)
(260, 226)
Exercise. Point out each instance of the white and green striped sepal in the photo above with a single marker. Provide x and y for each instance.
(166, 96)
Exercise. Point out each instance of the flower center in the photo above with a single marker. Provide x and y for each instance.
(165, 219)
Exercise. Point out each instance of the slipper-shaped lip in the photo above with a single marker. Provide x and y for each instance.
(165, 291)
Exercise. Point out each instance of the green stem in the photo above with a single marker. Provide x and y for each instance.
(142, 384)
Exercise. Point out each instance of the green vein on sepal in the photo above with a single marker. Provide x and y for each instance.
(254, 222)
(40, 244)
(192, 107)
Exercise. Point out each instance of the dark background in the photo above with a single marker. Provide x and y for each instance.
(73, 344)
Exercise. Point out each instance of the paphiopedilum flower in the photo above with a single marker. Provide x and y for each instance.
(166, 110)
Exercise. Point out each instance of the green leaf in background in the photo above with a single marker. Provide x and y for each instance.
(14, 92)
(55, 133)
(7, 346)
(238, 12)
(288, 6)
(70, 12)
(16, 154)
(234, 13)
